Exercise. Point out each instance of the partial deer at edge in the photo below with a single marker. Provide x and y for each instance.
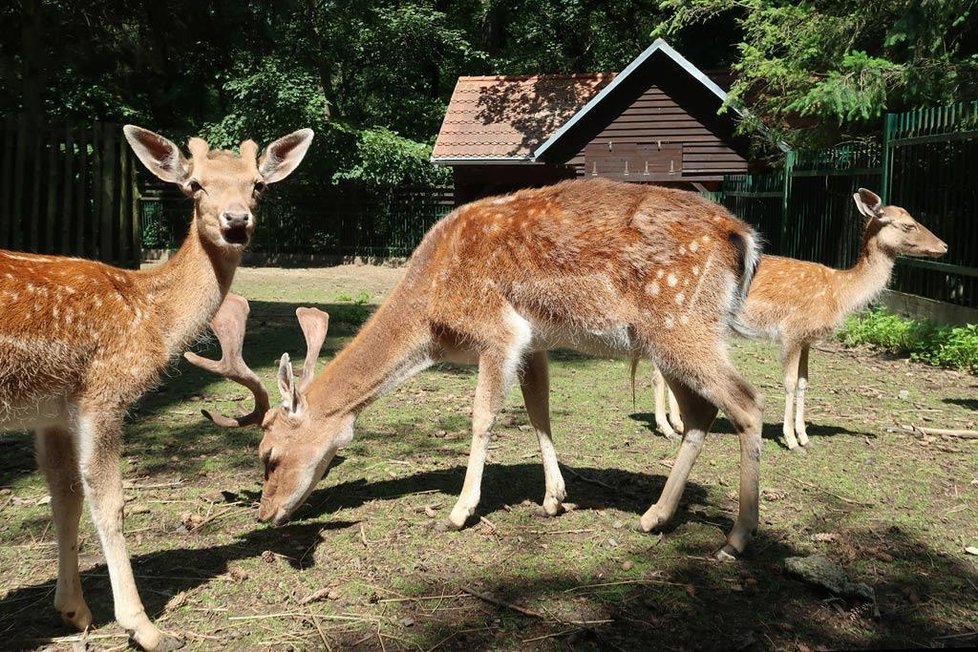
(797, 303)
(80, 341)
(598, 266)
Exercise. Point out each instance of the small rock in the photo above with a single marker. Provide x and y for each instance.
(44, 501)
(618, 525)
(825, 536)
(612, 543)
(820, 571)
(238, 574)
(407, 622)
(315, 596)
(903, 395)
(971, 550)
(627, 565)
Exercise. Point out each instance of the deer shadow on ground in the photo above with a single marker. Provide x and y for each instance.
(27, 617)
(685, 600)
(770, 431)
(968, 403)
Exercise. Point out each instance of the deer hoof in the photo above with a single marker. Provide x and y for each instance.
(551, 507)
(168, 643)
(651, 520)
(727, 553)
(458, 517)
(79, 618)
(156, 641)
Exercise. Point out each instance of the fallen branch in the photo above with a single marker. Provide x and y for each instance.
(553, 635)
(942, 432)
(425, 597)
(584, 478)
(619, 583)
(528, 612)
(834, 495)
(499, 603)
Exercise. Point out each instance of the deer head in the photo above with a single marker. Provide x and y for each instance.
(293, 451)
(895, 231)
(225, 187)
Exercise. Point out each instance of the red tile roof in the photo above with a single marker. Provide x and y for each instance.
(504, 117)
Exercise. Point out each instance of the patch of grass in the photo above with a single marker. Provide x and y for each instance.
(893, 510)
(955, 347)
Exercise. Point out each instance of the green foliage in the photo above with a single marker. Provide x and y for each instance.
(944, 346)
(815, 71)
(386, 159)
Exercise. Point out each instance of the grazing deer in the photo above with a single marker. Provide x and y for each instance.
(80, 341)
(798, 303)
(598, 266)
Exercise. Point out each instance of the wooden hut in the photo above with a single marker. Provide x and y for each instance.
(657, 121)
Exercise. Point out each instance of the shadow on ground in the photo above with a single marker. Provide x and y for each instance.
(688, 602)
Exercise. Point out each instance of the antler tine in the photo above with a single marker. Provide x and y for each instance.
(229, 326)
(314, 323)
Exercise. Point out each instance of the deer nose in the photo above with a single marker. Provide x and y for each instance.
(236, 220)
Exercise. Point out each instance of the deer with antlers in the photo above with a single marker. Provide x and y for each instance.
(80, 341)
(797, 303)
(594, 265)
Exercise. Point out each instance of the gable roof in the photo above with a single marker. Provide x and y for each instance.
(502, 119)
(640, 70)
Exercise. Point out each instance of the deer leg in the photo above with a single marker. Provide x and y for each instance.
(699, 415)
(792, 355)
(497, 371)
(740, 403)
(675, 414)
(661, 419)
(58, 460)
(535, 384)
(99, 446)
(800, 429)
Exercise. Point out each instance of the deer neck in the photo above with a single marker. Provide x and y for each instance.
(392, 347)
(186, 291)
(868, 277)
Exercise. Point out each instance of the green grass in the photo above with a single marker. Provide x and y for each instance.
(901, 510)
(955, 347)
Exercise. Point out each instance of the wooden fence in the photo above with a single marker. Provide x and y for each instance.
(68, 189)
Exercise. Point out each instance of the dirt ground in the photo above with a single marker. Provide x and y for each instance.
(363, 566)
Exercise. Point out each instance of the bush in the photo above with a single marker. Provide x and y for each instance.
(955, 347)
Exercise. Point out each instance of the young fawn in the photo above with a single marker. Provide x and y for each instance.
(798, 303)
(80, 341)
(597, 266)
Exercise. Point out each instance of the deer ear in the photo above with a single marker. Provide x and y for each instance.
(868, 203)
(159, 155)
(284, 155)
(286, 384)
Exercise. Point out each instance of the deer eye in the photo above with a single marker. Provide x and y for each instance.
(195, 186)
(259, 187)
(909, 227)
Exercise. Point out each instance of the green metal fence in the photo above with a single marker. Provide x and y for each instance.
(346, 220)
(927, 163)
(931, 161)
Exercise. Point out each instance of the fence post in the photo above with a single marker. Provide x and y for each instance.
(789, 167)
(888, 124)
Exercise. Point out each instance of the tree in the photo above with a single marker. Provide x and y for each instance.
(816, 71)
